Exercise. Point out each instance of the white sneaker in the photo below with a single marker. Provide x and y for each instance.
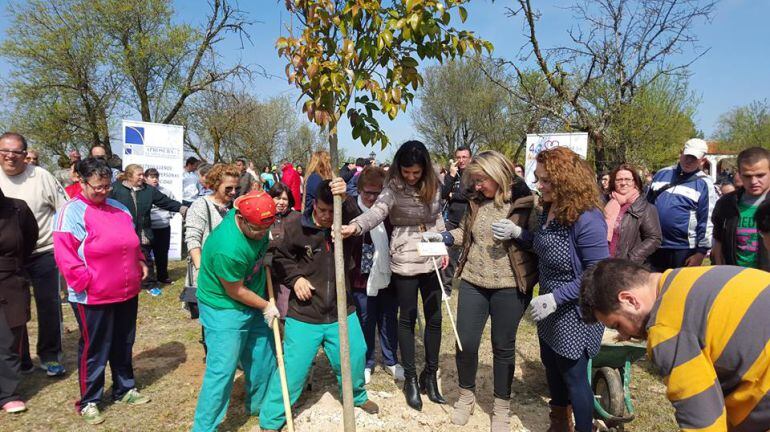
(367, 375)
(396, 371)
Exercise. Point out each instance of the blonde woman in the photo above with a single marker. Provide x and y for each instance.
(131, 191)
(412, 201)
(318, 169)
(496, 279)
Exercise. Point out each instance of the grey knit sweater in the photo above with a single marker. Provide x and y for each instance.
(197, 222)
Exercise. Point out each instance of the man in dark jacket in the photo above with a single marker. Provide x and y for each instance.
(305, 262)
(736, 238)
(453, 191)
(18, 236)
(347, 171)
(456, 195)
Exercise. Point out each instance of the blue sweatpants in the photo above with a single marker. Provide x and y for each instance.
(107, 333)
(233, 335)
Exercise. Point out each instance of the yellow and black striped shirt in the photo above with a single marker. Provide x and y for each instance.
(709, 335)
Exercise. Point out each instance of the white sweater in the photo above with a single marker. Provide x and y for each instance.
(44, 196)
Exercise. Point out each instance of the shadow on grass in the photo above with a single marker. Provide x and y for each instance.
(153, 364)
(37, 381)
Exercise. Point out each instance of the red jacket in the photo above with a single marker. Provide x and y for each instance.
(290, 177)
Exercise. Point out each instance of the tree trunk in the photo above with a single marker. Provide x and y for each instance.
(348, 415)
(600, 155)
(522, 145)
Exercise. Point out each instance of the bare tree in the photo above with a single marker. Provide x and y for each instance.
(617, 48)
(166, 63)
(61, 89)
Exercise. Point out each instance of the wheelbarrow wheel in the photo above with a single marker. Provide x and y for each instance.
(608, 387)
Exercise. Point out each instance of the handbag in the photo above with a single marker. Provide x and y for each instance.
(190, 289)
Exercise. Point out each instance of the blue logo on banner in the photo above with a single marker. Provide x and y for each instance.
(134, 135)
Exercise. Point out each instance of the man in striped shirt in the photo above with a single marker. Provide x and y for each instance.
(707, 331)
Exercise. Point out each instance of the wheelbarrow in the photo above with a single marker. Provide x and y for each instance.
(609, 374)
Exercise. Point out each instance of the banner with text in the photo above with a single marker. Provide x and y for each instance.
(159, 146)
(577, 142)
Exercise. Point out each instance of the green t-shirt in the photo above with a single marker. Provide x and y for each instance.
(230, 255)
(746, 236)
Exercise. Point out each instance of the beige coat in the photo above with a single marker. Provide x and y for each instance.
(410, 218)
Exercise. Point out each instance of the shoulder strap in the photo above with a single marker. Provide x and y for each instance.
(654, 194)
(208, 213)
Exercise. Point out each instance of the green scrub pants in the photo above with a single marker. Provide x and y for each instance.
(233, 335)
(300, 345)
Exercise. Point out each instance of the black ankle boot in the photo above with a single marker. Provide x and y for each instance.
(429, 385)
(412, 393)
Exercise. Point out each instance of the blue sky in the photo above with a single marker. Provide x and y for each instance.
(734, 72)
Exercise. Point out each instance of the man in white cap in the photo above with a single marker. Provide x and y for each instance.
(684, 196)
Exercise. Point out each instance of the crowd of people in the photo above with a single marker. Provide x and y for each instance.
(580, 252)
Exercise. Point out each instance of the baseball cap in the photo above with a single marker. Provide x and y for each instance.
(257, 207)
(695, 147)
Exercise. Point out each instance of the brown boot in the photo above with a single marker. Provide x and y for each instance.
(463, 407)
(561, 419)
(501, 420)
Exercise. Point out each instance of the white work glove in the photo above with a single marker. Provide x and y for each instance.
(270, 313)
(505, 229)
(432, 237)
(542, 306)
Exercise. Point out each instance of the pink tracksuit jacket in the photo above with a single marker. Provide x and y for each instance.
(97, 251)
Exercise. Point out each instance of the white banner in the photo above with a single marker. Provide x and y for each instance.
(159, 146)
(577, 142)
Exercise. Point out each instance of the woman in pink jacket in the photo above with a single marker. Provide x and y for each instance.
(97, 250)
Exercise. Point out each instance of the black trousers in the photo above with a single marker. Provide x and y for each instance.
(160, 243)
(454, 256)
(10, 359)
(107, 334)
(149, 257)
(430, 290)
(664, 259)
(45, 287)
(505, 306)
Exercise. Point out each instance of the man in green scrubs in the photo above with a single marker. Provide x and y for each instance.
(233, 310)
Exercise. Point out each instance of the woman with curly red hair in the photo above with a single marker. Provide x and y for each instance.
(572, 236)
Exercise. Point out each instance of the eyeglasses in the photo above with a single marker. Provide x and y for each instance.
(13, 152)
(229, 189)
(101, 188)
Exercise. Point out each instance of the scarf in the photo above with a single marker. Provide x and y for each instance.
(612, 209)
(379, 275)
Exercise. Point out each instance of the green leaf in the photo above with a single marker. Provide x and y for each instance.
(414, 21)
(409, 61)
(463, 14)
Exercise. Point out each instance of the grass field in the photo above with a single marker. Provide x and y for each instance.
(168, 364)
